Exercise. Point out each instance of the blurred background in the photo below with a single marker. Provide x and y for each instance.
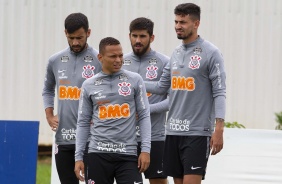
(248, 33)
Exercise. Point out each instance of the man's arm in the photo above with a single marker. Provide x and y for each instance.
(217, 137)
(48, 95)
(217, 77)
(51, 119)
(143, 111)
(160, 107)
(82, 131)
(163, 85)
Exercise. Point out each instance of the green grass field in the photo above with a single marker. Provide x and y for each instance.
(43, 174)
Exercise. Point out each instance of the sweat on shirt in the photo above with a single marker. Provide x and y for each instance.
(150, 67)
(196, 76)
(112, 102)
(66, 71)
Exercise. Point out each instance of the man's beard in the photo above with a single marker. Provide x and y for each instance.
(141, 52)
(184, 37)
(81, 48)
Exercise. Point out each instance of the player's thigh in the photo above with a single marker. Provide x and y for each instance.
(126, 170)
(100, 168)
(155, 169)
(195, 154)
(64, 157)
(172, 164)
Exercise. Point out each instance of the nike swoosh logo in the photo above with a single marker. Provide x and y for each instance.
(193, 168)
(159, 172)
(96, 92)
(137, 182)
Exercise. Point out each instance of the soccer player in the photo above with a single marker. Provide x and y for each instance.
(196, 76)
(149, 64)
(111, 99)
(66, 71)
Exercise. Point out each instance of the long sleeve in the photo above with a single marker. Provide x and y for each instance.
(220, 106)
(143, 111)
(217, 76)
(160, 106)
(83, 123)
(48, 93)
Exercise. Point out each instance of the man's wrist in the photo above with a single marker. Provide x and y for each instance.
(219, 124)
(219, 120)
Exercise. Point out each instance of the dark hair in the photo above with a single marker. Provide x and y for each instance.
(142, 23)
(188, 9)
(106, 42)
(75, 21)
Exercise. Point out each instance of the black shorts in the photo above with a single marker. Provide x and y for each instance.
(184, 155)
(155, 169)
(64, 156)
(103, 168)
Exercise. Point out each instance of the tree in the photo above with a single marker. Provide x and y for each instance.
(278, 120)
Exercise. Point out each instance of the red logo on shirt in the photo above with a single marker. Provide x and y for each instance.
(194, 62)
(151, 72)
(88, 71)
(124, 88)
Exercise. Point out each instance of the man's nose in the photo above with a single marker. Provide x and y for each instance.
(138, 40)
(177, 26)
(119, 59)
(75, 42)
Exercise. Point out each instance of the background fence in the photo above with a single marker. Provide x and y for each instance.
(247, 32)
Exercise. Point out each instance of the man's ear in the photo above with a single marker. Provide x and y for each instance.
(88, 33)
(100, 57)
(152, 38)
(197, 24)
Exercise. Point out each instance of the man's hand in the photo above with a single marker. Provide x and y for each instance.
(53, 122)
(79, 170)
(143, 161)
(51, 119)
(216, 143)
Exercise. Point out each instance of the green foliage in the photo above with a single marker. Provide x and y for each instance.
(278, 120)
(43, 174)
(234, 124)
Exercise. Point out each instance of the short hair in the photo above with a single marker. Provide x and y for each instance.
(75, 21)
(188, 9)
(142, 23)
(106, 42)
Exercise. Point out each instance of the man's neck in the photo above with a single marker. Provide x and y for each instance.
(190, 39)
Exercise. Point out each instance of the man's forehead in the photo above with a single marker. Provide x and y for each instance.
(76, 35)
(142, 31)
(113, 48)
(182, 15)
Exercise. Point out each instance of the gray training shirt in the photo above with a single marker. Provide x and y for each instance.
(112, 102)
(66, 71)
(196, 76)
(150, 67)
